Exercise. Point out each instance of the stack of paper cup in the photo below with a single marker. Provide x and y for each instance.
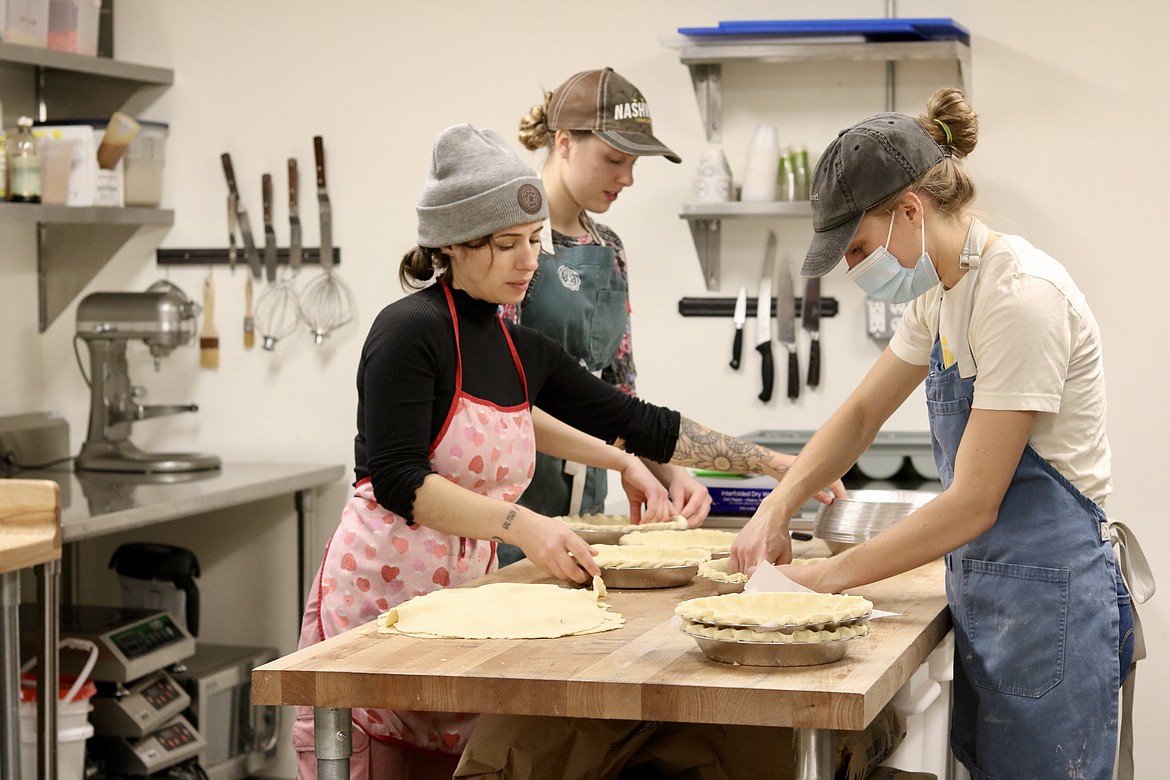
(763, 160)
(713, 179)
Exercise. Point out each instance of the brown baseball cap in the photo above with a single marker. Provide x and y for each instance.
(610, 106)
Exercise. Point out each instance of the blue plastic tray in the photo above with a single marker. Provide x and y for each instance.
(923, 29)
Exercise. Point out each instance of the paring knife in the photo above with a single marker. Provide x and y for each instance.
(294, 218)
(786, 324)
(740, 318)
(763, 319)
(811, 320)
(323, 205)
(269, 232)
(250, 252)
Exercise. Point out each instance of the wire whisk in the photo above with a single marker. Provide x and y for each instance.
(278, 312)
(326, 303)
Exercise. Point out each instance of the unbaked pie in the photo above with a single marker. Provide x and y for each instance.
(637, 556)
(619, 523)
(774, 609)
(797, 637)
(718, 569)
(710, 539)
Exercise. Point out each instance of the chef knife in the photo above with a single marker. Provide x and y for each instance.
(811, 320)
(323, 207)
(294, 218)
(740, 318)
(763, 319)
(786, 324)
(250, 252)
(269, 232)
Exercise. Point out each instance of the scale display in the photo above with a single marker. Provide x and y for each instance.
(132, 643)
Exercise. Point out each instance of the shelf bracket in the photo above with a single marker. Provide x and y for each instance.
(705, 233)
(68, 258)
(707, 78)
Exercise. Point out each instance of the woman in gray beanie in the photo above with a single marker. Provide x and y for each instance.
(447, 436)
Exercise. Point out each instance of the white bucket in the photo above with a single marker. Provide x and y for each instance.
(73, 726)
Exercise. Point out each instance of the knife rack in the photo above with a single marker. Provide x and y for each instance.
(725, 307)
(309, 256)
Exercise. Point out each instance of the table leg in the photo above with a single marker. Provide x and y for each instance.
(10, 675)
(306, 503)
(332, 741)
(49, 597)
(814, 753)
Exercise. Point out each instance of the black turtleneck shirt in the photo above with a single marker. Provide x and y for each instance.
(406, 382)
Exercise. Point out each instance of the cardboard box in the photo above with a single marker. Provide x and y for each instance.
(735, 494)
(89, 185)
(25, 22)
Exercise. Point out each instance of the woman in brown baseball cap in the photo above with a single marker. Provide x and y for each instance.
(594, 127)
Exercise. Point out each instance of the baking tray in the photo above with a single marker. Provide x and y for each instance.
(639, 579)
(770, 653)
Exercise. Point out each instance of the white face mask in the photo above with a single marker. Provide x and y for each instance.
(882, 277)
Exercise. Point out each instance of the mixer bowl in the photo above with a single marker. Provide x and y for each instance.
(864, 514)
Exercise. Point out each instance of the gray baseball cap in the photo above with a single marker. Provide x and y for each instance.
(864, 165)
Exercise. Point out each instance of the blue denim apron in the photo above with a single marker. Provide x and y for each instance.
(1038, 609)
(580, 299)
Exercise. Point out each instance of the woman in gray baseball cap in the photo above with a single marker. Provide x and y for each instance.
(1011, 357)
(447, 435)
(594, 127)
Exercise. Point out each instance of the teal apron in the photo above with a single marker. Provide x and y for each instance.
(1043, 627)
(581, 300)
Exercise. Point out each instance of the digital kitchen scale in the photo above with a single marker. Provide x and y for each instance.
(170, 745)
(137, 709)
(132, 643)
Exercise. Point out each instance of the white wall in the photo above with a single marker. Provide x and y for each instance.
(1072, 155)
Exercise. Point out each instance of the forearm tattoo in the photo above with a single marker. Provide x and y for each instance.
(510, 517)
(700, 447)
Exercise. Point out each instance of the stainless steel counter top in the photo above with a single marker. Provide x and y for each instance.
(94, 503)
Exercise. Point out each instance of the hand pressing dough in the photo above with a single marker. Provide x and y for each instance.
(638, 556)
(774, 609)
(620, 523)
(503, 610)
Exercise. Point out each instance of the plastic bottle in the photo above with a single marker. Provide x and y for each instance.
(800, 172)
(24, 165)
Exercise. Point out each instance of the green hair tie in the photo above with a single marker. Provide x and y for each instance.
(947, 130)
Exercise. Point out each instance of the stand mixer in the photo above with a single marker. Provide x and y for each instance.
(162, 317)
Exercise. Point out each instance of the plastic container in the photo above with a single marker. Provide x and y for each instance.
(143, 164)
(73, 25)
(73, 726)
(25, 22)
(89, 184)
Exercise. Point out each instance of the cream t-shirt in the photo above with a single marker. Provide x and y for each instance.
(1022, 327)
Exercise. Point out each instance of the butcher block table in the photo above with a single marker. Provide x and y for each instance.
(646, 670)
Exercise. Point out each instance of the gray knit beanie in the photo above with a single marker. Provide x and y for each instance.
(475, 186)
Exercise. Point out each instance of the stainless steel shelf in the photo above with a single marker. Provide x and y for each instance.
(706, 223)
(32, 57)
(705, 62)
(84, 215)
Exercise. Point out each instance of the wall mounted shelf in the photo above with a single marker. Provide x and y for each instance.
(706, 223)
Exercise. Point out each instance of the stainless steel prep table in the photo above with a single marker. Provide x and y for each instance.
(96, 504)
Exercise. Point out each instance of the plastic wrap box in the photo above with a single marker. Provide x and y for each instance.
(73, 26)
(89, 185)
(25, 22)
(735, 494)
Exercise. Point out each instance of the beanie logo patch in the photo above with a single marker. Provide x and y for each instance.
(529, 198)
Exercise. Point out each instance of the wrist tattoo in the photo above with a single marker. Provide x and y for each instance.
(510, 517)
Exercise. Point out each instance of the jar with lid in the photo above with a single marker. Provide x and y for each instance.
(24, 165)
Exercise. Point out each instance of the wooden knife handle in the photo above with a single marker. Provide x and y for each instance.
(737, 348)
(293, 185)
(266, 191)
(767, 372)
(814, 361)
(230, 173)
(319, 155)
(793, 375)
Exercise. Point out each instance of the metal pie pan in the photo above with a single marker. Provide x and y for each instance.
(720, 554)
(722, 586)
(789, 628)
(592, 536)
(660, 577)
(770, 653)
(865, 514)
